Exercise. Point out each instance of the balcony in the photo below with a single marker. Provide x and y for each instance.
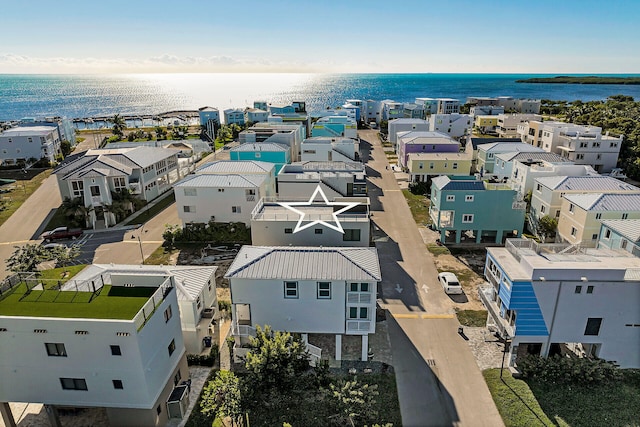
(359, 297)
(355, 326)
(487, 295)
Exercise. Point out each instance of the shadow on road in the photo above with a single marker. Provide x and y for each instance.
(424, 400)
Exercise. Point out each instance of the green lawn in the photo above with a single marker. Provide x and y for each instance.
(147, 213)
(419, 206)
(531, 403)
(475, 318)
(21, 192)
(62, 273)
(437, 249)
(160, 256)
(116, 303)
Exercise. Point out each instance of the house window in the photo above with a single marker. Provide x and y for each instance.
(189, 209)
(468, 198)
(573, 231)
(56, 349)
(594, 236)
(420, 165)
(318, 231)
(351, 235)
(353, 312)
(235, 209)
(579, 156)
(467, 218)
(73, 384)
(598, 216)
(220, 190)
(593, 326)
(364, 313)
(451, 198)
(190, 192)
(590, 289)
(623, 244)
(177, 377)
(578, 289)
(571, 207)
(291, 289)
(543, 208)
(359, 287)
(324, 290)
(538, 187)
(77, 188)
(455, 166)
(558, 214)
(607, 234)
(288, 230)
(159, 409)
(95, 191)
(119, 183)
(115, 350)
(431, 165)
(257, 155)
(167, 314)
(625, 215)
(117, 384)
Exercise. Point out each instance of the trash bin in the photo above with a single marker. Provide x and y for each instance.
(207, 341)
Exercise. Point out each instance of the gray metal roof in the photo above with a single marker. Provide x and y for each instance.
(260, 146)
(424, 138)
(497, 147)
(524, 157)
(235, 166)
(585, 183)
(221, 181)
(606, 202)
(305, 263)
(629, 228)
(445, 183)
(332, 166)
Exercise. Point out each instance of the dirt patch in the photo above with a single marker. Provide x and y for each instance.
(196, 256)
(469, 279)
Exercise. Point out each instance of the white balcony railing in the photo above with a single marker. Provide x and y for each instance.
(359, 297)
(487, 295)
(354, 325)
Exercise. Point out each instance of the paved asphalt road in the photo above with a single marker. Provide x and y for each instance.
(439, 382)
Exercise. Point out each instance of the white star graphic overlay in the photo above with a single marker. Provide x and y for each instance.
(318, 190)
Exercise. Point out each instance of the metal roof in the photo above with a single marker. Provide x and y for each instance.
(235, 166)
(331, 166)
(629, 228)
(606, 202)
(445, 183)
(260, 146)
(497, 147)
(305, 263)
(424, 138)
(140, 156)
(585, 183)
(440, 156)
(221, 181)
(541, 156)
(190, 280)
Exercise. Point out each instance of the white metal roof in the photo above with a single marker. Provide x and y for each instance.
(606, 202)
(586, 183)
(235, 167)
(305, 263)
(222, 181)
(502, 147)
(29, 131)
(629, 228)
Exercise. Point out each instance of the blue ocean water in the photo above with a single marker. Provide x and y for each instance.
(76, 96)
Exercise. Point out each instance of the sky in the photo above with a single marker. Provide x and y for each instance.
(328, 36)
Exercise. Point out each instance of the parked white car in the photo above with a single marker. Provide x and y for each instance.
(450, 283)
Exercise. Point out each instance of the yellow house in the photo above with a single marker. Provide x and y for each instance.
(486, 124)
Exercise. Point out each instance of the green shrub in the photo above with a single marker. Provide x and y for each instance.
(224, 305)
(420, 188)
(204, 360)
(558, 369)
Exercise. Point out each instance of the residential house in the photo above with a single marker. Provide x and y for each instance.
(114, 342)
(429, 105)
(374, 111)
(273, 224)
(335, 127)
(261, 105)
(392, 110)
(423, 166)
(581, 215)
(413, 111)
(337, 179)
(448, 106)
(585, 146)
(485, 124)
(508, 103)
(558, 299)
(255, 115)
(64, 126)
(146, 172)
(353, 110)
(623, 234)
(290, 135)
(487, 153)
(524, 173)
(195, 289)
(455, 125)
(486, 110)
(307, 290)
(224, 191)
(234, 116)
(278, 154)
(22, 144)
(360, 105)
(330, 149)
(548, 192)
(405, 125)
(294, 113)
(504, 162)
(423, 142)
(508, 123)
(210, 119)
(459, 206)
(475, 141)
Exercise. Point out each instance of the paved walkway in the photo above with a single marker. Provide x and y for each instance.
(439, 382)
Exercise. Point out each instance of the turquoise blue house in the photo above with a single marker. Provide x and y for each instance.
(465, 209)
(278, 154)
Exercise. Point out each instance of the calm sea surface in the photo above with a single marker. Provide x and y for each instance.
(75, 96)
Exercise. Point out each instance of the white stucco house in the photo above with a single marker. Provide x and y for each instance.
(22, 143)
(322, 149)
(308, 290)
(337, 179)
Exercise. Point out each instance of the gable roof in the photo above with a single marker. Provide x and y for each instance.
(629, 228)
(221, 181)
(585, 183)
(530, 157)
(507, 147)
(425, 137)
(305, 263)
(224, 167)
(605, 202)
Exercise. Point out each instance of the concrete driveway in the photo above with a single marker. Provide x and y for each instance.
(439, 383)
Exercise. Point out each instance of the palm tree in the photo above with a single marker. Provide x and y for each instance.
(75, 211)
(119, 125)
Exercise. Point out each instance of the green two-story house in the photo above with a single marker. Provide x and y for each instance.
(466, 209)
